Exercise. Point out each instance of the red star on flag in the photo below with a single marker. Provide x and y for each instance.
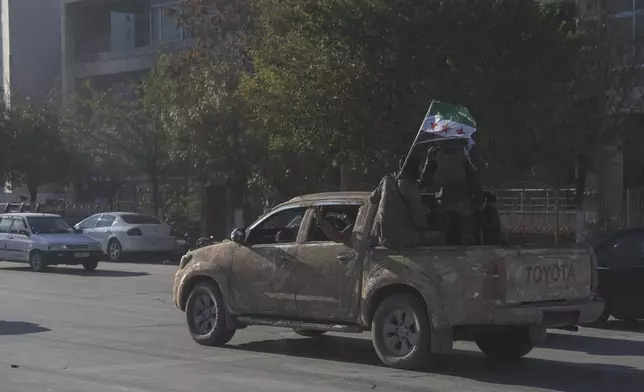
(460, 131)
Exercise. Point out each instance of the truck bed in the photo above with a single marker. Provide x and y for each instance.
(472, 282)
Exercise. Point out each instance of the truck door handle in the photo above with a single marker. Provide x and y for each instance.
(10, 237)
(603, 269)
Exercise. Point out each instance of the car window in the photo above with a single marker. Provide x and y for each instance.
(5, 224)
(48, 225)
(279, 228)
(89, 223)
(106, 221)
(17, 225)
(140, 219)
(342, 218)
(629, 248)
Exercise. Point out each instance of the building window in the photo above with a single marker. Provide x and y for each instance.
(628, 25)
(165, 24)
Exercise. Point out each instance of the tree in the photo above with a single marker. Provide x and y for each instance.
(39, 155)
(346, 82)
(7, 135)
(121, 135)
(192, 96)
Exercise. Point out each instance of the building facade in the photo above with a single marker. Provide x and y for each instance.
(30, 61)
(109, 42)
(31, 47)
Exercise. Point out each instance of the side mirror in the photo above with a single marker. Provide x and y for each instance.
(78, 231)
(238, 236)
(23, 232)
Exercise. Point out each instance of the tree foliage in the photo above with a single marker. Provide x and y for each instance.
(38, 153)
(193, 94)
(120, 133)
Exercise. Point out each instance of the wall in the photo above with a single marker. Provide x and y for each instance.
(31, 46)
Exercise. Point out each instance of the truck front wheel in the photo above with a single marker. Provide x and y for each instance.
(505, 344)
(400, 331)
(207, 317)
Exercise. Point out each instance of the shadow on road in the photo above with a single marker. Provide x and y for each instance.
(81, 272)
(594, 345)
(19, 328)
(151, 259)
(621, 325)
(528, 372)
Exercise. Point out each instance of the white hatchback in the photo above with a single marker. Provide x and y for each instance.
(125, 232)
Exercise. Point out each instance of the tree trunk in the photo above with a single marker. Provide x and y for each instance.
(156, 199)
(344, 180)
(580, 184)
(580, 189)
(33, 193)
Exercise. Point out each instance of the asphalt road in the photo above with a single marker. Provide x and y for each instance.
(116, 330)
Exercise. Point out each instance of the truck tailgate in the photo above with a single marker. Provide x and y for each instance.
(548, 274)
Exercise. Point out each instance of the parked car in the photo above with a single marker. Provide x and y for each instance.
(126, 233)
(285, 271)
(45, 239)
(620, 260)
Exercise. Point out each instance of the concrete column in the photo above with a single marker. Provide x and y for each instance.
(6, 49)
(67, 46)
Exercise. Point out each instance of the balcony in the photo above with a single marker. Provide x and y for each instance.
(111, 37)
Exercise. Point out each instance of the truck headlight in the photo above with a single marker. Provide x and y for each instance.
(57, 247)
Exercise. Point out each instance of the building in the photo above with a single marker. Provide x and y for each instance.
(31, 49)
(111, 42)
(30, 63)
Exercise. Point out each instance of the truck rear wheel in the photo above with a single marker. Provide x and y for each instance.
(400, 331)
(505, 344)
(206, 316)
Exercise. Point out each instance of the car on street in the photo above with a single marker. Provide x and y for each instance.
(45, 239)
(285, 271)
(123, 233)
(620, 260)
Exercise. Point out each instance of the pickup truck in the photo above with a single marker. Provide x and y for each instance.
(284, 271)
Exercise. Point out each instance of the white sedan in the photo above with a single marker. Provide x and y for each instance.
(125, 232)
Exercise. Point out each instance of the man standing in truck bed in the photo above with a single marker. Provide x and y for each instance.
(449, 167)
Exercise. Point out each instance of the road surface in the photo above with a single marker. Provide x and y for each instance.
(116, 330)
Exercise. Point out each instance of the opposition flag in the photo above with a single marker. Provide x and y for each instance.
(447, 121)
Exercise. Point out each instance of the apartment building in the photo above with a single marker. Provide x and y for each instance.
(30, 61)
(112, 42)
(30, 47)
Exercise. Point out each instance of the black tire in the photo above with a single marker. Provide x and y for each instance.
(114, 250)
(505, 345)
(309, 333)
(90, 265)
(604, 316)
(36, 261)
(401, 332)
(204, 300)
(602, 319)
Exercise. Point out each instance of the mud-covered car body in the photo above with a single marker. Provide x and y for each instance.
(308, 282)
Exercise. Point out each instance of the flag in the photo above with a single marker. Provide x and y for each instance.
(447, 121)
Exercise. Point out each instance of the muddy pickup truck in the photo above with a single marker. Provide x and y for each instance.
(284, 271)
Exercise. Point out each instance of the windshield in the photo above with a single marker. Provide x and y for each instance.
(48, 225)
(139, 219)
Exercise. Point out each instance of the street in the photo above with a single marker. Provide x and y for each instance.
(116, 329)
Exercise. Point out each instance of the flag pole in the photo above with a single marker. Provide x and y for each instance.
(417, 136)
